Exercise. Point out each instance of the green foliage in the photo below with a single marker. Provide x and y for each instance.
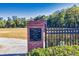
(65, 18)
(2, 23)
(13, 23)
(40, 17)
(56, 51)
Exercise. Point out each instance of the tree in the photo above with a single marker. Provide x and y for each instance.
(43, 17)
(65, 18)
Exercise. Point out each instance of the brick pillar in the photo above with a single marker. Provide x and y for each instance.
(36, 34)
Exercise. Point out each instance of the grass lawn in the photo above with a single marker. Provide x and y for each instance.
(13, 33)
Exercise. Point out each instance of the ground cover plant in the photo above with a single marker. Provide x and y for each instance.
(56, 51)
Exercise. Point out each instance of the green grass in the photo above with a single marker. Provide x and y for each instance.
(13, 33)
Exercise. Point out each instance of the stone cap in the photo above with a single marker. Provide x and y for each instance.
(36, 23)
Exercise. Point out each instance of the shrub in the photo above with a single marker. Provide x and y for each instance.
(56, 51)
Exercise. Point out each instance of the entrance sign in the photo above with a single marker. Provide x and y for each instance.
(36, 34)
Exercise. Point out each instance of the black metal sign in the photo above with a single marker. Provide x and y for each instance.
(35, 34)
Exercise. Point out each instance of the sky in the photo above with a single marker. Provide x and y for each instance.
(28, 10)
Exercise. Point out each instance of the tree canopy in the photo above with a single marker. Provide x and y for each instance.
(68, 17)
(13, 23)
(65, 18)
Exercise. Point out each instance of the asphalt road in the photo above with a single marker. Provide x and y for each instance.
(12, 46)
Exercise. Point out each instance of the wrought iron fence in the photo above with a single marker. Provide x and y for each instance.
(61, 36)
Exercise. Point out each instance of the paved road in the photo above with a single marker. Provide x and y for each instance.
(12, 46)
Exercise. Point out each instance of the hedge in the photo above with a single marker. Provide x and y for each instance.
(56, 51)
